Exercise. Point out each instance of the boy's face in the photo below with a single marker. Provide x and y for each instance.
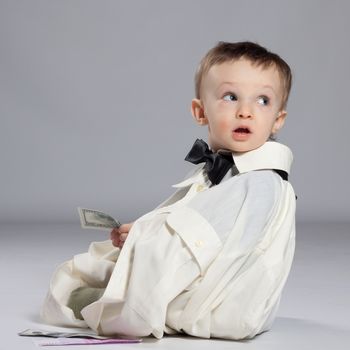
(240, 103)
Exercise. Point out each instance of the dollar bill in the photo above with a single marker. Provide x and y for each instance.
(90, 218)
(70, 338)
(42, 333)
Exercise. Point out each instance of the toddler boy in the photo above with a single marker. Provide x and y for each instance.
(211, 260)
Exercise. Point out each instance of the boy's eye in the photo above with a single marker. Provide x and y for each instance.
(230, 97)
(263, 100)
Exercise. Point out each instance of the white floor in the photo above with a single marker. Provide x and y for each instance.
(313, 314)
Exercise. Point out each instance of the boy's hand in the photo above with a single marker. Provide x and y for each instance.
(118, 235)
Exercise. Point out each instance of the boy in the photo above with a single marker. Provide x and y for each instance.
(211, 260)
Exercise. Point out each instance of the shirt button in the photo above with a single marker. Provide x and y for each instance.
(199, 243)
(200, 188)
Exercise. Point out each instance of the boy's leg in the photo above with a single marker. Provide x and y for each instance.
(82, 297)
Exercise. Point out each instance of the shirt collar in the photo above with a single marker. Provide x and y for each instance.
(271, 155)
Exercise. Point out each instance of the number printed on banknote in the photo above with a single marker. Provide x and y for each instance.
(90, 218)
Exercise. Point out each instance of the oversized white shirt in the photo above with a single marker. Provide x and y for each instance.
(210, 261)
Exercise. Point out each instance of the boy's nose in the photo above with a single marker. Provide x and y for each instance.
(244, 112)
(244, 115)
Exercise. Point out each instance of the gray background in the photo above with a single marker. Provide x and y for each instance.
(95, 100)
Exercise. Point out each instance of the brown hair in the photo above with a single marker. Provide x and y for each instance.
(225, 51)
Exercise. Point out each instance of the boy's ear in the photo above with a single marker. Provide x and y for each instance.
(279, 122)
(197, 111)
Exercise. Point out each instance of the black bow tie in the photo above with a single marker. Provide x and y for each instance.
(217, 165)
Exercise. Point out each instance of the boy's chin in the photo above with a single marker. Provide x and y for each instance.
(238, 147)
(244, 147)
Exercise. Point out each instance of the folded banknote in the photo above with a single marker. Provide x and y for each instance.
(90, 218)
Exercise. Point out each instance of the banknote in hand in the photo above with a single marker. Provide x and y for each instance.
(90, 218)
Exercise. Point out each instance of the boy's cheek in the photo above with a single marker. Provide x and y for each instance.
(224, 125)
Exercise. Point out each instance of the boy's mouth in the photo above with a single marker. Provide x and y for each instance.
(242, 130)
(242, 133)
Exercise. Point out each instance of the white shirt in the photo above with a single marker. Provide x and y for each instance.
(210, 261)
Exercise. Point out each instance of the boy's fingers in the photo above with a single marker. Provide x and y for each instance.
(125, 228)
(119, 235)
(116, 242)
(115, 231)
(114, 234)
(123, 236)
